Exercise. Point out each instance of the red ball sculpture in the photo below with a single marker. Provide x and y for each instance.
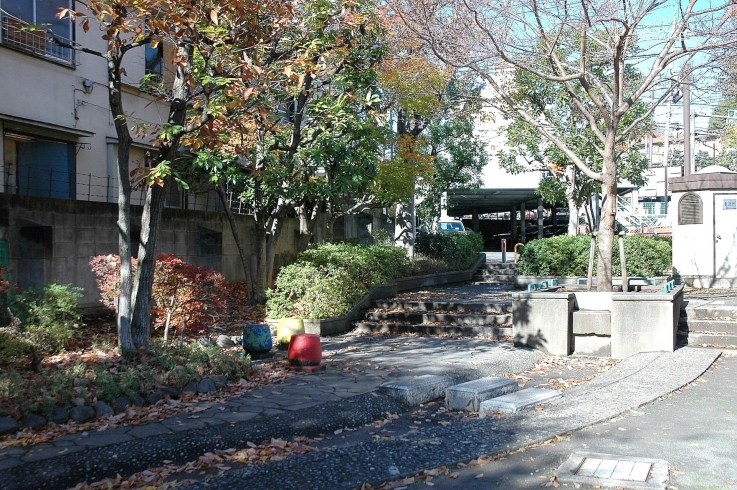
(305, 350)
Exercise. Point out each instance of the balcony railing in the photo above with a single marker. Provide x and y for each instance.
(23, 36)
(45, 182)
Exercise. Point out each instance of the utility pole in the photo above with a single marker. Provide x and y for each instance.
(687, 148)
(666, 149)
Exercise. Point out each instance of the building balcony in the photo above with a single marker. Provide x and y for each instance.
(22, 36)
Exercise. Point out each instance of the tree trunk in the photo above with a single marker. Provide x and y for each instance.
(607, 224)
(570, 197)
(572, 218)
(259, 295)
(155, 198)
(237, 238)
(143, 285)
(307, 224)
(124, 303)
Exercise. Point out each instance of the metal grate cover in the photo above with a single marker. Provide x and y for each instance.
(609, 471)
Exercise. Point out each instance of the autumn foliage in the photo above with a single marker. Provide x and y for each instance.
(191, 297)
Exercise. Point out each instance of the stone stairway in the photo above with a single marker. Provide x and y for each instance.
(462, 318)
(486, 396)
(496, 274)
(708, 323)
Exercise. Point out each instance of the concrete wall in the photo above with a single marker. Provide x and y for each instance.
(53, 239)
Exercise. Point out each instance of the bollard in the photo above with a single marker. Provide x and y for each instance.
(504, 250)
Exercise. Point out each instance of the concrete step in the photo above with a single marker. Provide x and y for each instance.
(431, 317)
(706, 339)
(496, 266)
(520, 400)
(502, 278)
(468, 396)
(707, 326)
(420, 389)
(457, 307)
(501, 286)
(495, 332)
(709, 313)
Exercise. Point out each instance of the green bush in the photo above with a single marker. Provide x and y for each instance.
(45, 320)
(458, 250)
(326, 280)
(569, 256)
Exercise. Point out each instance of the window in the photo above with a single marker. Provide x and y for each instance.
(690, 210)
(39, 167)
(25, 24)
(155, 59)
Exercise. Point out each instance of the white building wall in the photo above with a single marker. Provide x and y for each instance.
(36, 89)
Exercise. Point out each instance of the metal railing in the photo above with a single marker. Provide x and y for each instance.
(23, 36)
(638, 222)
(58, 184)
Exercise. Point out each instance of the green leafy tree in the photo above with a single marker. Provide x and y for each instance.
(304, 139)
(203, 90)
(459, 157)
(586, 50)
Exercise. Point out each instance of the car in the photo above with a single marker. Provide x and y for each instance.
(451, 226)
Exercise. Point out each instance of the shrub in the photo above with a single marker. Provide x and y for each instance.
(185, 294)
(44, 321)
(326, 280)
(458, 250)
(569, 256)
(555, 256)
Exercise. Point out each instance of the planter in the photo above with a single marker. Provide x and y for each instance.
(623, 324)
(288, 327)
(256, 339)
(305, 350)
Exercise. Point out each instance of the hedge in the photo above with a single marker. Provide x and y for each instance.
(569, 256)
(327, 280)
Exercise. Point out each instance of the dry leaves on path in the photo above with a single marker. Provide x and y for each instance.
(164, 477)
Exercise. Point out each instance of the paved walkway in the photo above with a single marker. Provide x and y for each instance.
(343, 396)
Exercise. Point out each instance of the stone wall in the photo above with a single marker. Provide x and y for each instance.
(52, 240)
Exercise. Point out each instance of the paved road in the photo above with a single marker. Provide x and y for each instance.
(693, 429)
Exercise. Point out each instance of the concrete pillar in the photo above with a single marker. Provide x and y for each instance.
(522, 230)
(540, 217)
(475, 220)
(513, 220)
(635, 197)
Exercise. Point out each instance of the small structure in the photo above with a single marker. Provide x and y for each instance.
(705, 227)
(597, 323)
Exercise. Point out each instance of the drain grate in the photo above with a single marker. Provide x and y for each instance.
(608, 471)
(615, 469)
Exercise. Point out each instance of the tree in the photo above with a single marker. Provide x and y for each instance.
(529, 150)
(198, 34)
(459, 157)
(555, 41)
(313, 101)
